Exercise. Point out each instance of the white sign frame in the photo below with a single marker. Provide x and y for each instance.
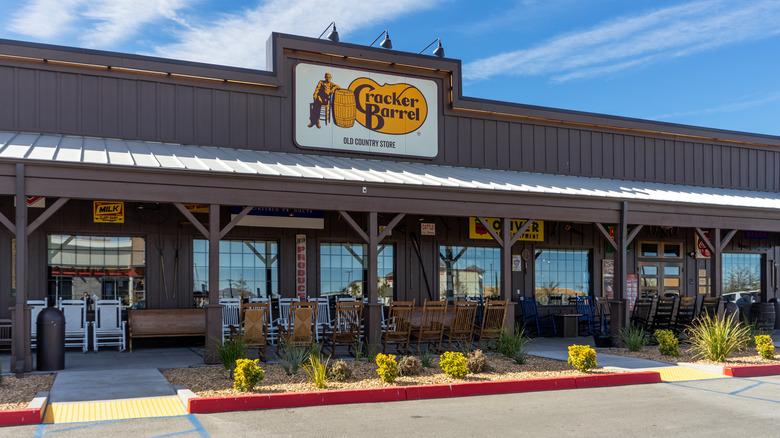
(422, 142)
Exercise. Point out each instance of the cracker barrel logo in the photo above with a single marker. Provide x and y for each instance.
(388, 108)
(108, 212)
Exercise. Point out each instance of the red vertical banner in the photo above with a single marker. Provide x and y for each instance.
(300, 266)
(632, 289)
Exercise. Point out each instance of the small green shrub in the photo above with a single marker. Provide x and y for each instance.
(667, 343)
(229, 351)
(292, 357)
(716, 338)
(388, 368)
(454, 364)
(476, 361)
(633, 337)
(765, 346)
(340, 371)
(247, 374)
(365, 351)
(317, 370)
(426, 359)
(409, 366)
(582, 357)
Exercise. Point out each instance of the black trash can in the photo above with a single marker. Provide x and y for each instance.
(51, 340)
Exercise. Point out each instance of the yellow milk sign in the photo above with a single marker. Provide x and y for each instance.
(108, 212)
(534, 233)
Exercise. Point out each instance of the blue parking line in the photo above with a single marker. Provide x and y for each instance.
(735, 393)
(41, 430)
(746, 388)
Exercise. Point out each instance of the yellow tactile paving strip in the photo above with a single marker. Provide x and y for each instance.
(113, 410)
(683, 374)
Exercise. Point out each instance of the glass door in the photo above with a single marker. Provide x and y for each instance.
(660, 278)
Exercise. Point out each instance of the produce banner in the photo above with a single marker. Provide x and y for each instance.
(477, 231)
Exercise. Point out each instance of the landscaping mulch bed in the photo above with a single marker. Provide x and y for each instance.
(215, 381)
(18, 393)
(688, 355)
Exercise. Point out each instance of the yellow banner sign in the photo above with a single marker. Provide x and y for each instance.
(477, 231)
(108, 212)
(197, 208)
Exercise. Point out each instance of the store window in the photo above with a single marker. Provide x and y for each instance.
(741, 278)
(344, 269)
(103, 267)
(247, 268)
(560, 275)
(660, 249)
(469, 272)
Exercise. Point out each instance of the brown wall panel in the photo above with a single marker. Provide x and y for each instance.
(527, 147)
(8, 97)
(110, 104)
(89, 97)
(26, 99)
(47, 101)
(477, 138)
(491, 145)
(185, 115)
(129, 110)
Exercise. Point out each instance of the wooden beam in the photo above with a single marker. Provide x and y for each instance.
(606, 235)
(521, 231)
(634, 232)
(199, 226)
(8, 224)
(235, 221)
(46, 215)
(390, 226)
(354, 225)
(727, 239)
(490, 230)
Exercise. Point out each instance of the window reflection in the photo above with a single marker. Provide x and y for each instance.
(561, 275)
(469, 272)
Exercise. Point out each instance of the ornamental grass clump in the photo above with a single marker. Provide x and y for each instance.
(317, 370)
(426, 359)
(514, 345)
(292, 357)
(765, 346)
(634, 337)
(667, 343)
(582, 357)
(409, 366)
(247, 374)
(388, 368)
(229, 351)
(454, 364)
(476, 361)
(716, 338)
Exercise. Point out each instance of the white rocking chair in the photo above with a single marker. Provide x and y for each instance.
(76, 324)
(108, 329)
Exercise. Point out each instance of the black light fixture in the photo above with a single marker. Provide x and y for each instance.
(438, 51)
(386, 43)
(333, 35)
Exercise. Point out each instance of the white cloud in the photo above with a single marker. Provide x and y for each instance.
(741, 105)
(637, 40)
(96, 22)
(239, 39)
(45, 18)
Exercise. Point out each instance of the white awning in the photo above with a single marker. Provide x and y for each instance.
(142, 154)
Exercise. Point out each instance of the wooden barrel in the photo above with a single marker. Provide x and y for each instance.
(763, 314)
(344, 108)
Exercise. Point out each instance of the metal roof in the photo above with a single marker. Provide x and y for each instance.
(142, 154)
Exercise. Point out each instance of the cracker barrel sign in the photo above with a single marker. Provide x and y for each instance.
(477, 231)
(368, 112)
(108, 212)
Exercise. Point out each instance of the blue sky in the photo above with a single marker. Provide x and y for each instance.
(710, 63)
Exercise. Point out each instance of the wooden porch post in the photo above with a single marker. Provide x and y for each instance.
(213, 308)
(21, 358)
(506, 271)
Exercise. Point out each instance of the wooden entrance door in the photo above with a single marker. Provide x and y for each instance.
(660, 278)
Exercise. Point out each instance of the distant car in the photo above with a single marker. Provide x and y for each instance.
(742, 297)
(139, 305)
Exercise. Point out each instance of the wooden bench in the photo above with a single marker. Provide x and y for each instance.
(163, 323)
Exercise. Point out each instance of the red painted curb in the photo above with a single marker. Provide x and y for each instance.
(598, 380)
(199, 405)
(18, 417)
(486, 388)
(752, 370)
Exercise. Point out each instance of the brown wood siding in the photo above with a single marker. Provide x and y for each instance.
(91, 102)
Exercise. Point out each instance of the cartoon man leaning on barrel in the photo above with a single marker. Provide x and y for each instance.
(322, 95)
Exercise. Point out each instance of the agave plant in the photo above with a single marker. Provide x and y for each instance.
(716, 338)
